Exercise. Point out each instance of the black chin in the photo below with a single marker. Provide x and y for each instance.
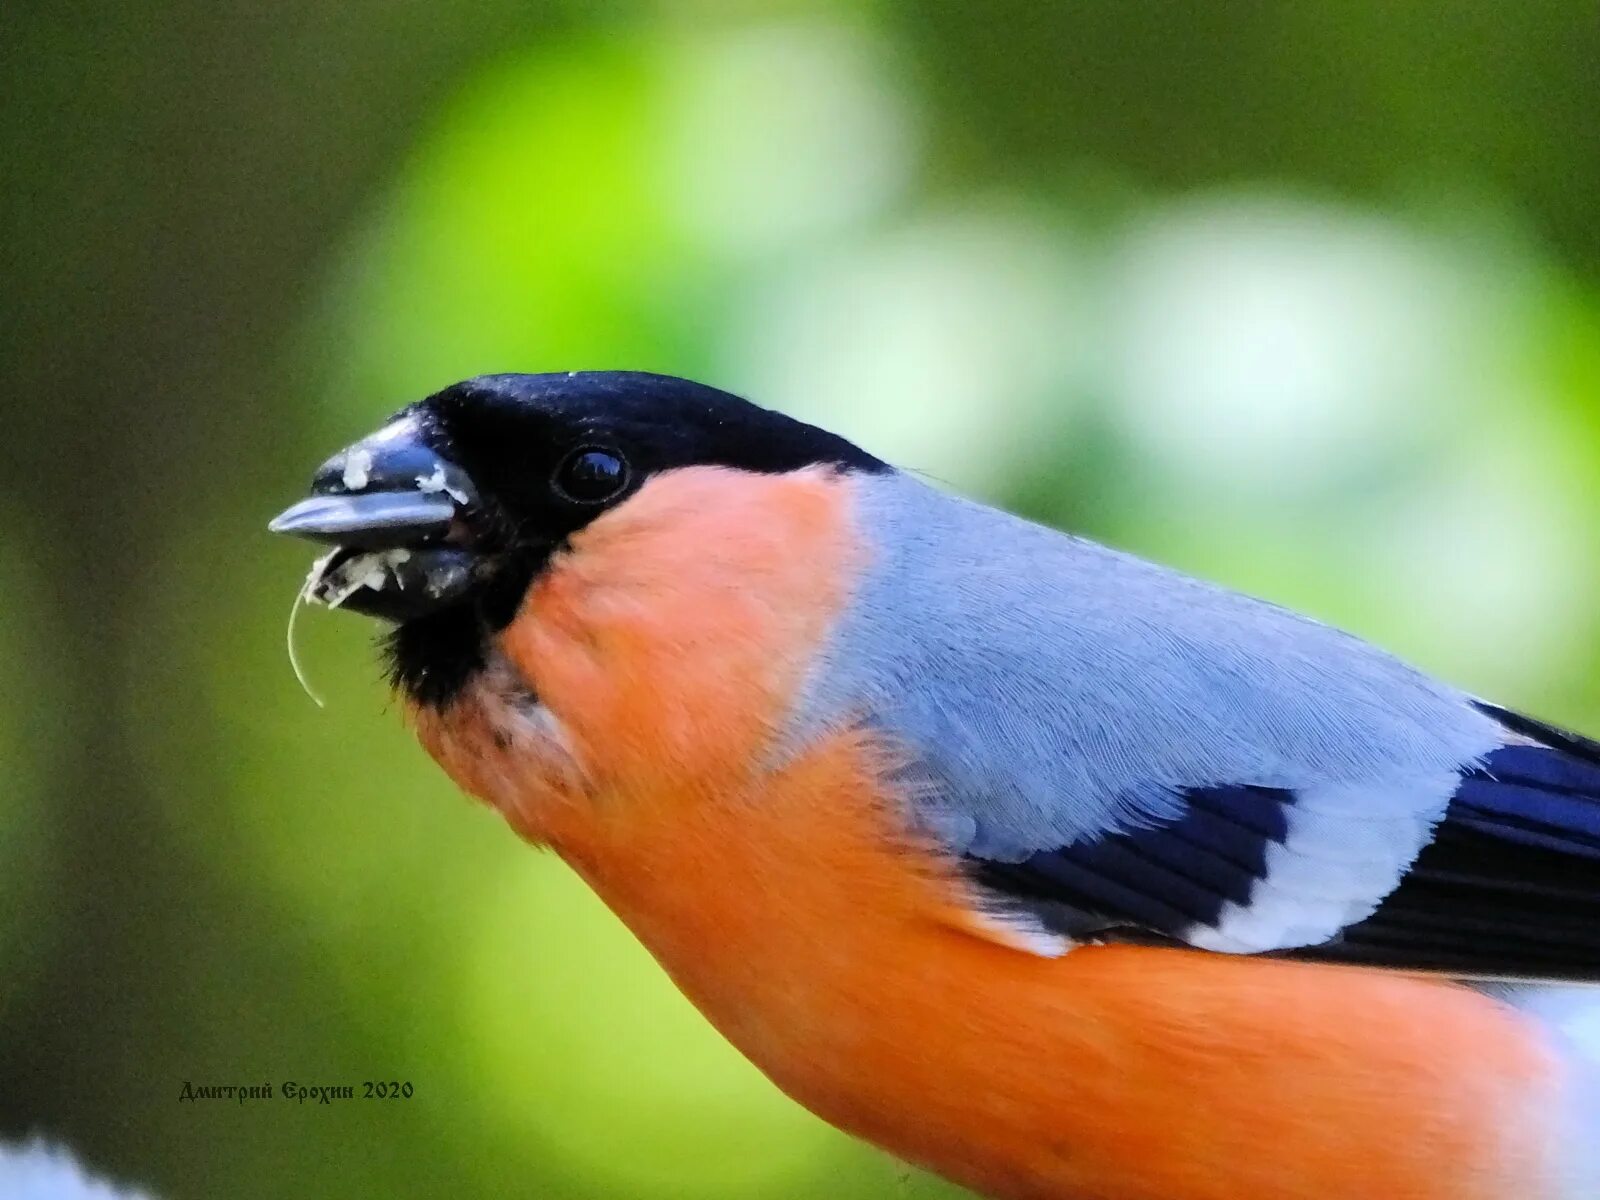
(432, 657)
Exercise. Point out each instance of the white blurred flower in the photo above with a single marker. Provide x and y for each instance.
(1275, 344)
(1479, 557)
(949, 346)
(781, 133)
(37, 1171)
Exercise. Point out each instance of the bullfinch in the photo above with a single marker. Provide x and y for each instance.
(1049, 869)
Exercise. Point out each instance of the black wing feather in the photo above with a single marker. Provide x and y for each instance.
(1509, 885)
(1160, 880)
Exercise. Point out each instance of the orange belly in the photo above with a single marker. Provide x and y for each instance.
(828, 950)
(1124, 1073)
(1115, 1073)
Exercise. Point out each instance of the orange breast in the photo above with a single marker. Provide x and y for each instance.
(790, 905)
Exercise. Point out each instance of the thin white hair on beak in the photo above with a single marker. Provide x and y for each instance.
(301, 599)
(364, 571)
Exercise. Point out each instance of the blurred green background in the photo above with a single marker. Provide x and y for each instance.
(1302, 297)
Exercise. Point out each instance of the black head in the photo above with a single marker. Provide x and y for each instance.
(442, 518)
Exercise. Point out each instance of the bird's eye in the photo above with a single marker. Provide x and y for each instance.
(590, 475)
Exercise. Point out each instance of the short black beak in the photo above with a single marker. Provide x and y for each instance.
(400, 516)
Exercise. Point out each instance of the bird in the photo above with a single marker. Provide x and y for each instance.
(1053, 871)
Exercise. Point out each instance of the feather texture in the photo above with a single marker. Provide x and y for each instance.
(1119, 751)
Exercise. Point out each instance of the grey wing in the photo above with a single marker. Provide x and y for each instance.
(1119, 748)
